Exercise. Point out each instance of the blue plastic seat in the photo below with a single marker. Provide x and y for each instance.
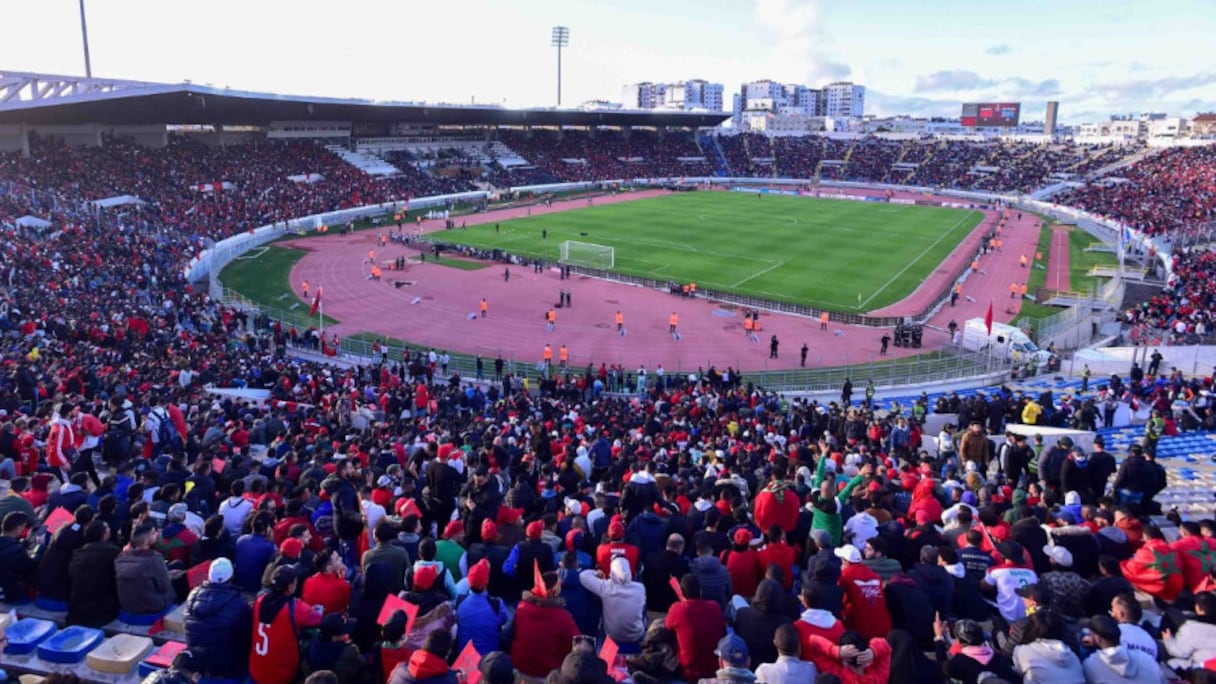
(24, 635)
(141, 619)
(51, 605)
(70, 644)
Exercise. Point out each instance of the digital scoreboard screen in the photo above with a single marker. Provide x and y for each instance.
(991, 114)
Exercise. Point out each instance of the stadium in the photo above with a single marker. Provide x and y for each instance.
(452, 387)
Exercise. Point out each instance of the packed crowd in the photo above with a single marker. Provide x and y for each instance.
(713, 531)
(577, 156)
(1184, 311)
(1166, 190)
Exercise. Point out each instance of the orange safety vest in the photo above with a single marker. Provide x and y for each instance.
(958, 289)
(1013, 287)
(552, 315)
(823, 317)
(1023, 288)
(619, 318)
(747, 323)
(563, 355)
(548, 356)
(483, 305)
(675, 319)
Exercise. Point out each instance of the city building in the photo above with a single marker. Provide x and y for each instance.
(844, 99)
(694, 94)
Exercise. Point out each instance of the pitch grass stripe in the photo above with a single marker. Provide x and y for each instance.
(922, 255)
(837, 249)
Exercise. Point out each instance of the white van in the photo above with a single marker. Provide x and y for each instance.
(1005, 341)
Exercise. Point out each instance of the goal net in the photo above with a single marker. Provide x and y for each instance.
(588, 254)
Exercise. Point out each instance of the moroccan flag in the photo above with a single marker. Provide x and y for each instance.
(987, 316)
(1154, 570)
(316, 304)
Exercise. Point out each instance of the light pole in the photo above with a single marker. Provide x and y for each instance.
(84, 34)
(561, 38)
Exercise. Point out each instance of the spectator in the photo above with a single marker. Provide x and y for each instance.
(789, 668)
(254, 552)
(54, 577)
(698, 624)
(93, 601)
(217, 621)
(1041, 654)
(756, 623)
(328, 586)
(624, 603)
(865, 603)
(144, 585)
(274, 654)
(1113, 662)
(480, 616)
(428, 665)
(543, 627)
(333, 651)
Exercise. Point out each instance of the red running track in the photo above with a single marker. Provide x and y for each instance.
(434, 310)
(1059, 273)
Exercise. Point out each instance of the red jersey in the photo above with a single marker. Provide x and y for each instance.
(274, 657)
(865, 602)
(606, 552)
(744, 569)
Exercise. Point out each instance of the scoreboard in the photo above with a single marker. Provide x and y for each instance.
(991, 114)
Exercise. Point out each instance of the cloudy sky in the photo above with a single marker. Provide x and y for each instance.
(1098, 57)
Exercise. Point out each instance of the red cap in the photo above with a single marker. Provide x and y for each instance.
(424, 577)
(291, 547)
(743, 536)
(489, 531)
(535, 529)
(616, 530)
(479, 574)
(506, 516)
(454, 528)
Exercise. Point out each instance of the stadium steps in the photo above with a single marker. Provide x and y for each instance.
(1135, 294)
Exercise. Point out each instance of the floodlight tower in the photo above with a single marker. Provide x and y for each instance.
(561, 38)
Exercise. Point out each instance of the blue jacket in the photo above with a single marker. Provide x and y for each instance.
(253, 552)
(218, 623)
(479, 618)
(648, 532)
(582, 604)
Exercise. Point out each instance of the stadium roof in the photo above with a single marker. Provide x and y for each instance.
(67, 100)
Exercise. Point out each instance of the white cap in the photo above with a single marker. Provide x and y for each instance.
(1059, 554)
(384, 481)
(849, 553)
(220, 571)
(1072, 499)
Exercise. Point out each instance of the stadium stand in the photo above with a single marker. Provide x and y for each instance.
(353, 484)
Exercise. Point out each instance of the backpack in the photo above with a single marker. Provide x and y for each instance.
(168, 439)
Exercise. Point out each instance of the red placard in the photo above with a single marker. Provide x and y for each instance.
(58, 518)
(163, 657)
(609, 654)
(394, 603)
(198, 574)
(218, 465)
(468, 662)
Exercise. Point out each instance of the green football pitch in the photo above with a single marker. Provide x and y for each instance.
(840, 255)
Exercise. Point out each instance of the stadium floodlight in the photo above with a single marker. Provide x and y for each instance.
(588, 255)
(561, 38)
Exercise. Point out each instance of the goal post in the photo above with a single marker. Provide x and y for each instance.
(588, 254)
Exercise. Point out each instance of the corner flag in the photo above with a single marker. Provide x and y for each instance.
(316, 303)
(987, 316)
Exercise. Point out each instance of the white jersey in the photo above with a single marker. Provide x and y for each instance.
(1007, 580)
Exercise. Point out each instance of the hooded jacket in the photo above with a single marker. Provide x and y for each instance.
(923, 499)
(423, 667)
(1118, 664)
(624, 601)
(1048, 661)
(777, 504)
(1192, 645)
(757, 623)
(544, 630)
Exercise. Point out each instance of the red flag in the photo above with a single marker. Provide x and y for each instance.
(987, 316)
(538, 581)
(316, 303)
